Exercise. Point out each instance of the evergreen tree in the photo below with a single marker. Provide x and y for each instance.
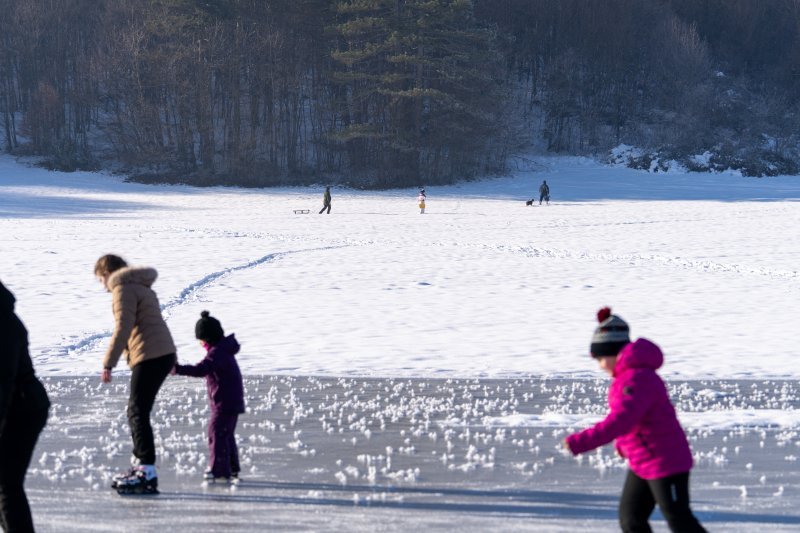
(421, 88)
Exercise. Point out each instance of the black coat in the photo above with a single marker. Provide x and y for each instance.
(20, 391)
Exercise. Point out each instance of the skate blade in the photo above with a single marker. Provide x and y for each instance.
(219, 482)
(131, 491)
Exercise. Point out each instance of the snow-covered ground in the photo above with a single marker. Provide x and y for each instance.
(480, 286)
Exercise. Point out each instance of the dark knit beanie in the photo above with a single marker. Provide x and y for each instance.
(208, 329)
(610, 336)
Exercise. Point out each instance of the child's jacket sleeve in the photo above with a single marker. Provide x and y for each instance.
(629, 400)
(201, 369)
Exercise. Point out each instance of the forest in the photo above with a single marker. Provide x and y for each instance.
(394, 93)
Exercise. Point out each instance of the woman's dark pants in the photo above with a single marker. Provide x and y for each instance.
(146, 379)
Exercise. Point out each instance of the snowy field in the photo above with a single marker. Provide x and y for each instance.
(479, 286)
(480, 296)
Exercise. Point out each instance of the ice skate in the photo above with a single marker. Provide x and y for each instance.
(140, 480)
(121, 476)
(210, 479)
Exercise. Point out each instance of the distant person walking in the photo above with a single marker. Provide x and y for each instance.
(646, 429)
(544, 192)
(326, 201)
(421, 201)
(141, 333)
(23, 415)
(225, 393)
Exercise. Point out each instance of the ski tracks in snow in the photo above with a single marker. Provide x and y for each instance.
(696, 265)
(190, 293)
(661, 260)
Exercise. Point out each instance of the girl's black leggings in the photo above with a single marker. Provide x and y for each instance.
(640, 496)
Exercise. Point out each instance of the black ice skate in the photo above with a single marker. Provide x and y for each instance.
(121, 476)
(135, 482)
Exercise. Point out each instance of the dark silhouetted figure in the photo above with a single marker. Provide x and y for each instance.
(326, 201)
(544, 192)
(23, 415)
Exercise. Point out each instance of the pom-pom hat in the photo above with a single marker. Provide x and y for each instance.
(208, 329)
(610, 336)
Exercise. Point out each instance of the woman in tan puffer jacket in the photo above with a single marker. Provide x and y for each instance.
(141, 333)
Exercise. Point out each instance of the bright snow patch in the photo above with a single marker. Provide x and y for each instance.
(481, 285)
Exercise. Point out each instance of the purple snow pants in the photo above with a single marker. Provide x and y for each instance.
(224, 459)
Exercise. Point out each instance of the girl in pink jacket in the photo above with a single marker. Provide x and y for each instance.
(646, 429)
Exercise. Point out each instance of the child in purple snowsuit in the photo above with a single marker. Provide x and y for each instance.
(225, 392)
(646, 429)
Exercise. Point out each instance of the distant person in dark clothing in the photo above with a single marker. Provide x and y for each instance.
(23, 414)
(544, 192)
(225, 393)
(326, 201)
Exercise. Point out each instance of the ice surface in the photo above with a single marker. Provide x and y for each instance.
(352, 454)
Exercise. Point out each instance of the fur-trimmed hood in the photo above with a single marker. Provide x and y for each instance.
(140, 275)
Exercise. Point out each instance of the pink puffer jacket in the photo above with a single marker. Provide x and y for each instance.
(642, 419)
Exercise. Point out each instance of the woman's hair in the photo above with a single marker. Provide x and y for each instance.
(108, 264)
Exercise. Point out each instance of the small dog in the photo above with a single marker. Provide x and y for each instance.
(529, 202)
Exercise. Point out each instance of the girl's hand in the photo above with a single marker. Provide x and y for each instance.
(105, 377)
(566, 446)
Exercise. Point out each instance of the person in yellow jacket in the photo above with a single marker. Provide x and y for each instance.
(140, 333)
(421, 201)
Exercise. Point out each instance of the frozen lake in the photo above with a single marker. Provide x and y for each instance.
(479, 286)
(377, 300)
(352, 454)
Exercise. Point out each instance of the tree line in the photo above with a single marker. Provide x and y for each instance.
(675, 77)
(384, 93)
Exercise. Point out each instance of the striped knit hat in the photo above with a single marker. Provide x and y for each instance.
(610, 336)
